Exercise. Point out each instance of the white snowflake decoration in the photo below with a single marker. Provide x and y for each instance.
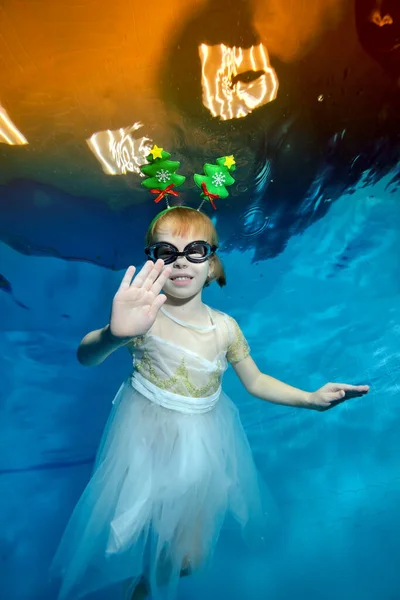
(218, 179)
(163, 176)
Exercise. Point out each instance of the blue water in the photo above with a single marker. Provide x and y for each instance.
(327, 308)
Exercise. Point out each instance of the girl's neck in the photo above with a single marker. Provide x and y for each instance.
(192, 310)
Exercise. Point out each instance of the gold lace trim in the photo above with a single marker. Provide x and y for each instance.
(137, 341)
(145, 368)
(239, 348)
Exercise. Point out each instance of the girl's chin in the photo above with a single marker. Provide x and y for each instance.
(184, 291)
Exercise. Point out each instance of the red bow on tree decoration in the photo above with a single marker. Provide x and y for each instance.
(211, 197)
(161, 177)
(162, 193)
(217, 177)
(160, 174)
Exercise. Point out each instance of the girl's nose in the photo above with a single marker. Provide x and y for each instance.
(181, 261)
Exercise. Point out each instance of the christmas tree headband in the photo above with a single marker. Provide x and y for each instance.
(161, 178)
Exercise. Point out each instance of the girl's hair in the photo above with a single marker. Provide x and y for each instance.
(189, 222)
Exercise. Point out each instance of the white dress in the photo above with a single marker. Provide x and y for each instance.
(173, 462)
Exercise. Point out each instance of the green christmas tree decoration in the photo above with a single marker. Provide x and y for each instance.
(160, 174)
(217, 177)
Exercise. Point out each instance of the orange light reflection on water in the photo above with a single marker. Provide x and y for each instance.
(229, 99)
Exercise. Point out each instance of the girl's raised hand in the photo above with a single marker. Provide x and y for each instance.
(137, 302)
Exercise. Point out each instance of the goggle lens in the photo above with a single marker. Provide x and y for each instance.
(194, 252)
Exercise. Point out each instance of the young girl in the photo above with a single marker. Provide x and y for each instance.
(174, 460)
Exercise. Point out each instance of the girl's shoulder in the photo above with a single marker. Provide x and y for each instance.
(237, 347)
(228, 323)
(221, 317)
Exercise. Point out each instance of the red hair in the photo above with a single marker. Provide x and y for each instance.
(188, 222)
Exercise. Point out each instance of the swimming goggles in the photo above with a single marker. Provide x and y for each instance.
(195, 252)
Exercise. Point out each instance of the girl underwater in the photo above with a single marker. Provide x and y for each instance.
(174, 460)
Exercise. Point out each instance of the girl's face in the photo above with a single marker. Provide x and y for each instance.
(187, 278)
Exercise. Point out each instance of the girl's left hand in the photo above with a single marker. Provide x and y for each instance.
(332, 394)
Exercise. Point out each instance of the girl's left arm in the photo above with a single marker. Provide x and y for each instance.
(267, 388)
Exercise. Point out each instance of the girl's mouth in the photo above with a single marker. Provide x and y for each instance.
(181, 280)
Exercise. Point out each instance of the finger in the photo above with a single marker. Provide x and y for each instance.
(143, 274)
(127, 278)
(334, 396)
(157, 304)
(160, 281)
(154, 275)
(349, 388)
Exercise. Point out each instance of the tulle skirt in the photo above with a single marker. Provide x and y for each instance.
(162, 485)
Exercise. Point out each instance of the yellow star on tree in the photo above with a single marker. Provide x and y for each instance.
(229, 161)
(156, 152)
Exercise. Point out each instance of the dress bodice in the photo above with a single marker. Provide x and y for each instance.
(187, 359)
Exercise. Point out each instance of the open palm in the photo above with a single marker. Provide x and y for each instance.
(137, 302)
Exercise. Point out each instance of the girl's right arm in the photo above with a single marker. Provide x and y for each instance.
(134, 310)
(97, 345)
